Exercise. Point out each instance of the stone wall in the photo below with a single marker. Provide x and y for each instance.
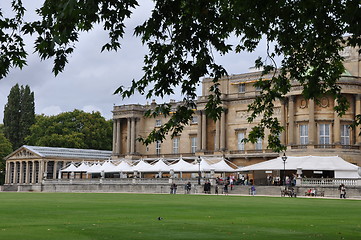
(352, 192)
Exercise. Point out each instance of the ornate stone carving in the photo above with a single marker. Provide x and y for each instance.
(23, 154)
(324, 102)
(303, 103)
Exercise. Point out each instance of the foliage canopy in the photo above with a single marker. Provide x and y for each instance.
(76, 129)
(182, 37)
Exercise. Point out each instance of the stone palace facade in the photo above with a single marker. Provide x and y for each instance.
(311, 129)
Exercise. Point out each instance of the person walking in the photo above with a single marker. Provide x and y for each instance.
(225, 188)
(173, 188)
(253, 190)
(216, 189)
(188, 188)
(342, 189)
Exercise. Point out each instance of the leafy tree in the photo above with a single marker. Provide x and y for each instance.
(76, 129)
(182, 37)
(5, 149)
(19, 114)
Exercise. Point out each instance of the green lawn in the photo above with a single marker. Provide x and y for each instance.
(78, 216)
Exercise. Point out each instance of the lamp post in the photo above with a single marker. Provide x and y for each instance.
(199, 170)
(284, 158)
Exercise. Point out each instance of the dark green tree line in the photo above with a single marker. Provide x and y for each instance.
(5, 149)
(182, 37)
(19, 114)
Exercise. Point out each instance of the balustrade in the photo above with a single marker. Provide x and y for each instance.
(328, 182)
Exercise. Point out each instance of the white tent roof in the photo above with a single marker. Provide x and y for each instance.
(95, 168)
(159, 166)
(222, 166)
(70, 168)
(123, 166)
(183, 166)
(305, 163)
(142, 166)
(83, 167)
(205, 166)
(108, 167)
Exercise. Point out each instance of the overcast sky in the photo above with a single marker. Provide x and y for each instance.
(91, 77)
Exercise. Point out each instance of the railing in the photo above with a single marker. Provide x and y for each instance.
(123, 181)
(356, 147)
(298, 146)
(324, 146)
(170, 155)
(328, 182)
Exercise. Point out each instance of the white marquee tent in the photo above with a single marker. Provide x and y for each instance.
(342, 168)
(70, 168)
(123, 166)
(159, 165)
(83, 167)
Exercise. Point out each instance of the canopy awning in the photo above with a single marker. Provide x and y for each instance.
(321, 163)
(70, 168)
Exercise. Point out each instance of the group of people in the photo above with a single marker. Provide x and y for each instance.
(277, 181)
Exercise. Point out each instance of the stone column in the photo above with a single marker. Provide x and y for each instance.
(223, 131)
(358, 112)
(118, 139)
(291, 120)
(128, 135)
(115, 131)
(216, 139)
(283, 122)
(33, 172)
(336, 127)
(7, 172)
(27, 174)
(204, 131)
(312, 124)
(21, 176)
(199, 131)
(40, 171)
(132, 143)
(16, 172)
(55, 169)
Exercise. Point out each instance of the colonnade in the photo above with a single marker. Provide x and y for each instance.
(132, 123)
(220, 132)
(31, 171)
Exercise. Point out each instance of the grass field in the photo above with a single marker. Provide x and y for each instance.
(78, 216)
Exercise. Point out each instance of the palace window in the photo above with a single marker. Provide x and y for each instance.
(242, 88)
(158, 145)
(240, 144)
(303, 134)
(258, 88)
(194, 120)
(193, 144)
(176, 145)
(324, 134)
(345, 134)
(158, 122)
(258, 145)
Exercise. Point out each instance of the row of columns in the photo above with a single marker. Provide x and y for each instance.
(30, 171)
(131, 136)
(312, 129)
(220, 134)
